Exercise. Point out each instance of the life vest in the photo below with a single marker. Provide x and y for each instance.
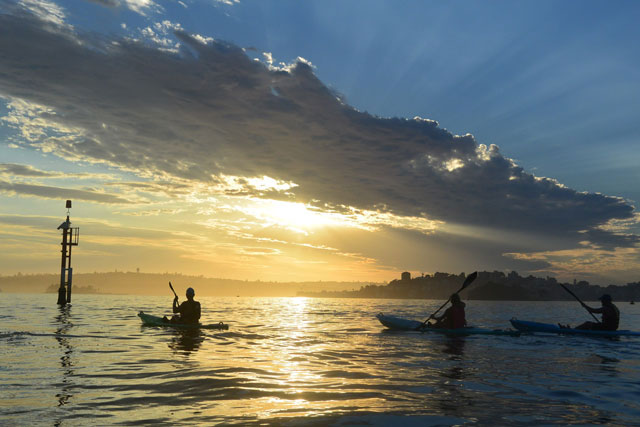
(455, 317)
(610, 317)
(189, 312)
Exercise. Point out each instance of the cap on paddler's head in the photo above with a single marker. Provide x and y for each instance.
(455, 298)
(605, 298)
(190, 292)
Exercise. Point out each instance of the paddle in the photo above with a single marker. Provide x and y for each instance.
(576, 297)
(174, 292)
(470, 278)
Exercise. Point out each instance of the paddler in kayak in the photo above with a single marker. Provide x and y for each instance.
(453, 317)
(188, 311)
(610, 315)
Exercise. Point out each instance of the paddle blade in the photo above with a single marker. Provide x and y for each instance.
(470, 278)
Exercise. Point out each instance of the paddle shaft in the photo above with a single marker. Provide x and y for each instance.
(172, 290)
(578, 299)
(436, 312)
(470, 278)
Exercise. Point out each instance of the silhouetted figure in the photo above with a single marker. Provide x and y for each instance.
(610, 315)
(189, 310)
(453, 317)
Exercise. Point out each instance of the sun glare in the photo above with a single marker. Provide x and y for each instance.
(303, 218)
(297, 217)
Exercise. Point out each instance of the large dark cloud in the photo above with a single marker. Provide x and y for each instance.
(211, 110)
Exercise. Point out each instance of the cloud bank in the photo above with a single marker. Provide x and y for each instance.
(208, 114)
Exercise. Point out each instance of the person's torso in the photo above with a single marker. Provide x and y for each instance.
(190, 311)
(610, 317)
(456, 317)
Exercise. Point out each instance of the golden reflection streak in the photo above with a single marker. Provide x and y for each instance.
(297, 323)
(299, 365)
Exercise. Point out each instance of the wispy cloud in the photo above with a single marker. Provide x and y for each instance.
(28, 171)
(49, 192)
(142, 7)
(23, 170)
(589, 262)
(46, 11)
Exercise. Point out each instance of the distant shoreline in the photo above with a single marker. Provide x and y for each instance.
(135, 283)
(489, 286)
(466, 299)
(474, 298)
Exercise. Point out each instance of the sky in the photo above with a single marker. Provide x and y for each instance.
(322, 140)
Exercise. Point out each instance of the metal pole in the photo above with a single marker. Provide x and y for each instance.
(69, 279)
(62, 292)
(69, 270)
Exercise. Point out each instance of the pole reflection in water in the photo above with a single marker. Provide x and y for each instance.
(63, 322)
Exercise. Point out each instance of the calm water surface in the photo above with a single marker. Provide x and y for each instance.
(306, 361)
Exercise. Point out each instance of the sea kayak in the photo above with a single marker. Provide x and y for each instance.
(400, 324)
(525, 326)
(149, 320)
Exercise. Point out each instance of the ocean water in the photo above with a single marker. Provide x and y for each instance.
(302, 361)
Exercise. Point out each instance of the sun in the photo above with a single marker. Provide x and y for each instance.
(294, 216)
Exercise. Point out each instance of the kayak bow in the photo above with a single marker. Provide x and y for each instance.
(400, 324)
(149, 320)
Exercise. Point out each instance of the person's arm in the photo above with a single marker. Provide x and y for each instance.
(176, 308)
(438, 318)
(596, 310)
(443, 316)
(198, 311)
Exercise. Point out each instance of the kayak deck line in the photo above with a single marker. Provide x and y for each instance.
(150, 320)
(400, 324)
(549, 328)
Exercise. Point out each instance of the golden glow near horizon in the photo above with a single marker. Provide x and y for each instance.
(256, 238)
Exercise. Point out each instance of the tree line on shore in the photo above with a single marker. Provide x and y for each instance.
(494, 285)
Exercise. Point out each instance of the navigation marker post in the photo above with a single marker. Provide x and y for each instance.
(70, 237)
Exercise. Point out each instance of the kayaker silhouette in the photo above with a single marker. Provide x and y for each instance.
(188, 311)
(610, 315)
(453, 317)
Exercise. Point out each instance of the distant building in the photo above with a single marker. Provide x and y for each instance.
(406, 276)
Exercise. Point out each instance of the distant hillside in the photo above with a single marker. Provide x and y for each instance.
(53, 289)
(158, 284)
(488, 286)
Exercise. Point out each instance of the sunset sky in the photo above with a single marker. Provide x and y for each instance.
(322, 140)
